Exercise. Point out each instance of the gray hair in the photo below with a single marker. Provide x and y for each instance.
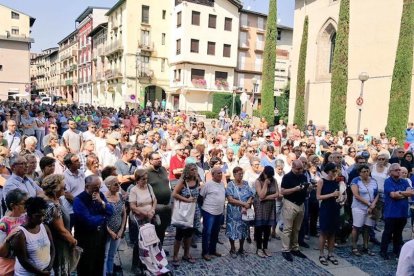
(279, 163)
(393, 166)
(17, 159)
(30, 140)
(59, 151)
(14, 196)
(254, 159)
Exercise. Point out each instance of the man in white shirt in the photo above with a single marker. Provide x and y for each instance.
(110, 154)
(12, 136)
(90, 134)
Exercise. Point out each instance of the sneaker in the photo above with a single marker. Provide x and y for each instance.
(261, 253)
(288, 256)
(267, 252)
(299, 254)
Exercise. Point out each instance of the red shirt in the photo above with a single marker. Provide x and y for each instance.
(176, 163)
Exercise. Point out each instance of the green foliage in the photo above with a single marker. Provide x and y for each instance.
(209, 114)
(339, 84)
(220, 100)
(299, 117)
(399, 105)
(269, 61)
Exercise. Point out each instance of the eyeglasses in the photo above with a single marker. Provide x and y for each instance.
(352, 151)
(250, 151)
(364, 171)
(381, 159)
(53, 127)
(400, 151)
(313, 147)
(396, 170)
(255, 165)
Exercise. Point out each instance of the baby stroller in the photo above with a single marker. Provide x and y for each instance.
(149, 256)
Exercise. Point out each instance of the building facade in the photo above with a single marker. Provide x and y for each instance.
(15, 43)
(90, 18)
(68, 57)
(202, 64)
(44, 73)
(99, 64)
(252, 37)
(373, 40)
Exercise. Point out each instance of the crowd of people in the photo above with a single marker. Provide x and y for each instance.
(79, 178)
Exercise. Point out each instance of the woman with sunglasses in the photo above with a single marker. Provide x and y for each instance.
(349, 158)
(365, 197)
(327, 192)
(348, 143)
(116, 222)
(100, 139)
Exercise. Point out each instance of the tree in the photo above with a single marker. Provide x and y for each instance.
(299, 117)
(269, 61)
(399, 104)
(339, 84)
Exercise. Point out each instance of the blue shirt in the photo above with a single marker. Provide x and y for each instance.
(25, 184)
(409, 135)
(395, 208)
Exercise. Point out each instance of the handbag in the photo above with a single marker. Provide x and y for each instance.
(249, 216)
(376, 213)
(74, 258)
(183, 213)
(148, 234)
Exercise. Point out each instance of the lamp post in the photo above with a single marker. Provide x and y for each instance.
(363, 77)
(255, 85)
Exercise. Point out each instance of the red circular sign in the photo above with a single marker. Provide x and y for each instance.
(359, 101)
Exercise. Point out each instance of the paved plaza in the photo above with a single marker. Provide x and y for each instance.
(251, 264)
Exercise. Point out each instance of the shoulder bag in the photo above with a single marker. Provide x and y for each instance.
(183, 212)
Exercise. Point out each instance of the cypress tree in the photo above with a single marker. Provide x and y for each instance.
(299, 117)
(339, 84)
(399, 104)
(269, 62)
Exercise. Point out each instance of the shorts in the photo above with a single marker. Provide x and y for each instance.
(361, 218)
(183, 233)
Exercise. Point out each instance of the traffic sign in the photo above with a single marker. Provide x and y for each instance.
(360, 101)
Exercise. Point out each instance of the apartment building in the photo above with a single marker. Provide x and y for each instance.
(90, 18)
(137, 52)
(45, 73)
(68, 59)
(99, 63)
(15, 43)
(204, 55)
(252, 31)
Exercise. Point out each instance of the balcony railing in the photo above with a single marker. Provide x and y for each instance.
(146, 46)
(113, 74)
(114, 47)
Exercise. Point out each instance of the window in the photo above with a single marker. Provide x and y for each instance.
(211, 48)
(279, 34)
(331, 56)
(178, 19)
(243, 20)
(145, 38)
(260, 42)
(220, 75)
(197, 74)
(164, 12)
(227, 24)
(145, 14)
(162, 64)
(15, 30)
(194, 46)
(1, 67)
(178, 46)
(260, 23)
(226, 50)
(195, 18)
(163, 38)
(258, 62)
(15, 15)
(212, 20)
(243, 39)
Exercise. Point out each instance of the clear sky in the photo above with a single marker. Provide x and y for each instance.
(55, 19)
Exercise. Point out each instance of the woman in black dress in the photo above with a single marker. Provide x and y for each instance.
(329, 213)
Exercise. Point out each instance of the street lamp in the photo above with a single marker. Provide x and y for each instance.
(363, 77)
(255, 85)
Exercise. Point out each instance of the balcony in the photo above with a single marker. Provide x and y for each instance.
(100, 76)
(69, 82)
(113, 74)
(146, 46)
(146, 75)
(100, 51)
(114, 47)
(73, 67)
(243, 45)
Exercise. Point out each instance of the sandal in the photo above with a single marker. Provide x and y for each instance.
(323, 260)
(233, 254)
(175, 263)
(355, 252)
(368, 252)
(189, 259)
(333, 260)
